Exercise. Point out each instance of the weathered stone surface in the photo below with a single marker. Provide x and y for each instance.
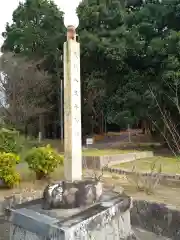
(64, 194)
(157, 218)
(108, 220)
(141, 217)
(18, 198)
(72, 112)
(142, 234)
(98, 162)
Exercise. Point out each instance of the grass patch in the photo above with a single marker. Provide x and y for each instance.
(140, 144)
(113, 134)
(58, 145)
(169, 165)
(28, 175)
(103, 152)
(55, 143)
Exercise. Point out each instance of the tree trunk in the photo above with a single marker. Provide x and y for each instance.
(40, 175)
(41, 125)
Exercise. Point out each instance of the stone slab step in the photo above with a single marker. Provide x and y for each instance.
(142, 234)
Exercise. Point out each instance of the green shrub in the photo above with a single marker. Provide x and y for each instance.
(9, 141)
(27, 144)
(8, 173)
(12, 141)
(43, 161)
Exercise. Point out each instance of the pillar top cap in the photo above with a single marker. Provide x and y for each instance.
(71, 20)
(69, 8)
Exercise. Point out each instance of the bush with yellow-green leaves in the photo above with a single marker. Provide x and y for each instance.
(8, 174)
(43, 161)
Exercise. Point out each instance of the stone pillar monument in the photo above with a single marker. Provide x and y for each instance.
(72, 108)
(76, 208)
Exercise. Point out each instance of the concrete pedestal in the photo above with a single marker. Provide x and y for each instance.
(107, 220)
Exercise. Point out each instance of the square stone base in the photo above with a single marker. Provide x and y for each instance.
(106, 220)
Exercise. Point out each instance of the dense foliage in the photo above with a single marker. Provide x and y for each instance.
(9, 141)
(43, 161)
(130, 57)
(8, 173)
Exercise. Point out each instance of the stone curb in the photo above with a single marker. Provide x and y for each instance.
(99, 162)
(175, 177)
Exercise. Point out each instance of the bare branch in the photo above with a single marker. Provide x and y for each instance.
(25, 87)
(166, 121)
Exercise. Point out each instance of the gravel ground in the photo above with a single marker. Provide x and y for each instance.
(4, 230)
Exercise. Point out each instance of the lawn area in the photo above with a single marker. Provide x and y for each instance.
(27, 175)
(57, 144)
(102, 152)
(168, 164)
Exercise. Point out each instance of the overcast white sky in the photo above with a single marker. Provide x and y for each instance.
(6, 10)
(8, 6)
